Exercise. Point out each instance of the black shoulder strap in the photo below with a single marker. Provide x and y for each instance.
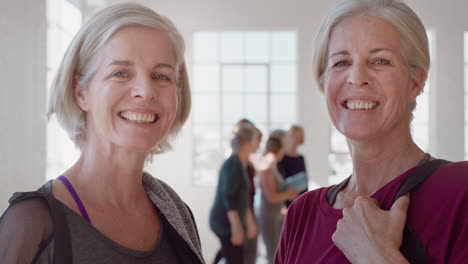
(332, 193)
(411, 247)
(61, 233)
(420, 175)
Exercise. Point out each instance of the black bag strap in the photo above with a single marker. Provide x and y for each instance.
(61, 233)
(411, 247)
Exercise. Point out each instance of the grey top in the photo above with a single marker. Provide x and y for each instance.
(26, 229)
(268, 209)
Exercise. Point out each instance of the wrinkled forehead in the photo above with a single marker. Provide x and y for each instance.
(363, 33)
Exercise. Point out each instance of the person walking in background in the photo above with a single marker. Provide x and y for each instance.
(251, 245)
(231, 217)
(122, 94)
(292, 162)
(272, 194)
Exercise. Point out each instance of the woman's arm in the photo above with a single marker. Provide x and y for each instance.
(23, 228)
(269, 188)
(251, 224)
(237, 232)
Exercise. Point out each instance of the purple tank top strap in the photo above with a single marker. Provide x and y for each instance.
(75, 196)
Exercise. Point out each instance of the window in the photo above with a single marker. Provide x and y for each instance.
(63, 21)
(237, 75)
(339, 158)
(466, 94)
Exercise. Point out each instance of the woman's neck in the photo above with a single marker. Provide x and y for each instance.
(291, 151)
(375, 165)
(243, 156)
(109, 178)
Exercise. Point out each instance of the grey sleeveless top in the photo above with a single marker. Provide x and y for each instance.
(265, 205)
(91, 246)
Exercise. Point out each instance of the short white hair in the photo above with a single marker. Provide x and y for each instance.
(413, 37)
(81, 59)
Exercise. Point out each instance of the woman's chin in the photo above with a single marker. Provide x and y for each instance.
(143, 147)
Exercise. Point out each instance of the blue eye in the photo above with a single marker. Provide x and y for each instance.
(161, 77)
(341, 63)
(381, 62)
(120, 74)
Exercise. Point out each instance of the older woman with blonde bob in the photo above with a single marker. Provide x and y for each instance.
(371, 62)
(122, 94)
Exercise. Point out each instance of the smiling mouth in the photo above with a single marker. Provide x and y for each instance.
(360, 104)
(141, 118)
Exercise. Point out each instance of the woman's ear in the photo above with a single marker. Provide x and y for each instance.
(79, 92)
(417, 82)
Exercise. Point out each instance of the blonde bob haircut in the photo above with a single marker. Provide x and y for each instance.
(414, 43)
(81, 59)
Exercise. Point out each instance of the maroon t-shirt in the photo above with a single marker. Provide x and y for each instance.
(438, 213)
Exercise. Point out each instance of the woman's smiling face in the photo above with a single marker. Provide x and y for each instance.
(367, 84)
(131, 100)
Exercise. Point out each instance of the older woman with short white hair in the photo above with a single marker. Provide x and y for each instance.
(371, 61)
(122, 94)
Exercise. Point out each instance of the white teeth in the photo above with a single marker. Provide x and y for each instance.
(360, 105)
(138, 117)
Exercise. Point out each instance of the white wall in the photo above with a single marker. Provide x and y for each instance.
(22, 165)
(448, 19)
(22, 96)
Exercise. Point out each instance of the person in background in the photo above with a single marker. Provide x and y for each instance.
(231, 217)
(273, 196)
(371, 61)
(251, 245)
(122, 94)
(292, 162)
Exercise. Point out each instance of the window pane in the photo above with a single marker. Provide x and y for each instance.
(256, 108)
(206, 108)
(207, 155)
(232, 47)
(338, 141)
(232, 108)
(256, 79)
(277, 125)
(421, 113)
(421, 136)
(283, 108)
(466, 76)
(283, 78)
(466, 110)
(61, 151)
(341, 167)
(257, 47)
(205, 47)
(233, 79)
(227, 130)
(284, 47)
(206, 78)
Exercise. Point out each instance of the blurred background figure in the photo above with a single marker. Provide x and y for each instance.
(231, 217)
(292, 162)
(251, 243)
(272, 194)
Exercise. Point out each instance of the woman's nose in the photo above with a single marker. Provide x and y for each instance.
(358, 75)
(144, 88)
